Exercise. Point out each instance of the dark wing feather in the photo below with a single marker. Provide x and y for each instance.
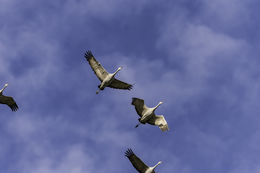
(139, 105)
(9, 101)
(139, 165)
(100, 72)
(117, 84)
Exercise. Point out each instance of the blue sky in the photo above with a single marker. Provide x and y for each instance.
(201, 58)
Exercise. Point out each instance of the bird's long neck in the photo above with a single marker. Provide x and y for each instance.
(156, 165)
(157, 106)
(1, 91)
(116, 71)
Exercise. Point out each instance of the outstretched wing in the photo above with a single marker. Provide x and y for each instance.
(9, 101)
(100, 72)
(117, 84)
(159, 120)
(139, 105)
(136, 162)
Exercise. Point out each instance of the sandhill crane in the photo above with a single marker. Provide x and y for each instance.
(139, 165)
(107, 79)
(9, 101)
(147, 114)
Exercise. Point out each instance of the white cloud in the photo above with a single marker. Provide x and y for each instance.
(100, 8)
(73, 159)
(229, 14)
(198, 51)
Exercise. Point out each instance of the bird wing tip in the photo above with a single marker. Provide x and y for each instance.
(130, 87)
(88, 54)
(133, 99)
(164, 128)
(14, 108)
(129, 152)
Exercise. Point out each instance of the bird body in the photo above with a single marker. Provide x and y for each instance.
(106, 79)
(147, 115)
(138, 164)
(9, 101)
(151, 169)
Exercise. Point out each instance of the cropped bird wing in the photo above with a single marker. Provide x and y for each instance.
(100, 72)
(117, 84)
(139, 105)
(139, 165)
(159, 120)
(9, 101)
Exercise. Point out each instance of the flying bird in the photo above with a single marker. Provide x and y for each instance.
(106, 79)
(9, 101)
(139, 165)
(147, 114)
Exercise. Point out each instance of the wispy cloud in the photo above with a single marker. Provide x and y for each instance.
(205, 73)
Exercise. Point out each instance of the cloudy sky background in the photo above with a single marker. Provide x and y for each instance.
(201, 58)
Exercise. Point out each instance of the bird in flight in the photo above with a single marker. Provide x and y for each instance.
(139, 165)
(9, 101)
(106, 79)
(147, 114)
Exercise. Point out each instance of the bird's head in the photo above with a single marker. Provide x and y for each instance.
(6, 84)
(119, 68)
(159, 104)
(159, 162)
